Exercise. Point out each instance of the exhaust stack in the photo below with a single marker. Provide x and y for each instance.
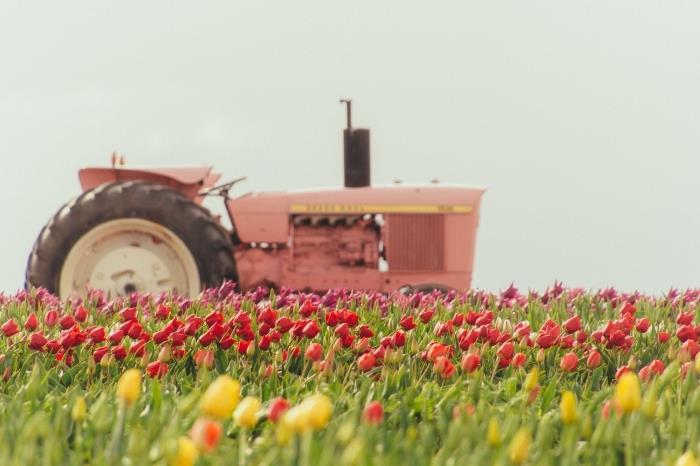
(355, 152)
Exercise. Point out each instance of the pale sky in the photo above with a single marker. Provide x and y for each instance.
(582, 118)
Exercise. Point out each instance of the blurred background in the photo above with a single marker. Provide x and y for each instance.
(581, 118)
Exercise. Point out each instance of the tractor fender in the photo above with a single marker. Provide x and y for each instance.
(187, 180)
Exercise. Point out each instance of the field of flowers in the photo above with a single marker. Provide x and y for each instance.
(348, 378)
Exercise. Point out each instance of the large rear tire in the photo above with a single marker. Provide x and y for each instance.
(131, 236)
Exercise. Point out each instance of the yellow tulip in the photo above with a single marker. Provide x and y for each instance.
(79, 409)
(187, 453)
(649, 403)
(221, 397)
(628, 393)
(284, 431)
(319, 409)
(297, 417)
(493, 433)
(532, 379)
(687, 459)
(567, 407)
(129, 386)
(246, 414)
(519, 446)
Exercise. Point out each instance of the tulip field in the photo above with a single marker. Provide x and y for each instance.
(558, 377)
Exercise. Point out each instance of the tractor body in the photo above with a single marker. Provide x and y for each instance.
(145, 230)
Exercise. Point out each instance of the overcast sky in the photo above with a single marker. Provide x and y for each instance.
(582, 118)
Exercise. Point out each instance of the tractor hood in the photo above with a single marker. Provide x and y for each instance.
(263, 217)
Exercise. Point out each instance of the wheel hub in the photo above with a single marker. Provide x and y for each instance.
(129, 255)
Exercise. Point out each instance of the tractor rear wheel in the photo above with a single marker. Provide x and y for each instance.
(132, 236)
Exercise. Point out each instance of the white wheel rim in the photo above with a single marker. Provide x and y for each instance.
(129, 254)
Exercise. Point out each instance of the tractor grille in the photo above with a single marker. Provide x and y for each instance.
(415, 241)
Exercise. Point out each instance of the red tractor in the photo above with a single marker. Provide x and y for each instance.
(145, 230)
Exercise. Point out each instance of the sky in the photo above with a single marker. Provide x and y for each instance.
(581, 117)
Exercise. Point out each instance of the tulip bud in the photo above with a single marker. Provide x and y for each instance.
(186, 454)
(649, 401)
(79, 409)
(567, 407)
(493, 433)
(627, 392)
(284, 431)
(246, 414)
(687, 459)
(519, 446)
(221, 397)
(540, 356)
(129, 386)
(532, 379)
(165, 354)
(206, 434)
(320, 410)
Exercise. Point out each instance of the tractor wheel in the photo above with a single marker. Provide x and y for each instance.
(127, 237)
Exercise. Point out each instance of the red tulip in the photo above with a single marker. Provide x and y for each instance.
(506, 350)
(519, 359)
(284, 324)
(572, 325)
(10, 328)
(425, 315)
(66, 321)
(99, 353)
(31, 323)
(128, 313)
(138, 349)
(685, 332)
(119, 352)
(116, 337)
(628, 308)
(593, 359)
(277, 408)
(37, 341)
(663, 337)
(226, 342)
(51, 318)
(373, 413)
(81, 314)
(97, 335)
(407, 322)
(162, 312)
(398, 339)
(366, 362)
(471, 362)
(569, 362)
(364, 331)
(684, 318)
(135, 331)
(311, 329)
(444, 367)
(244, 346)
(332, 318)
(207, 338)
(314, 352)
(53, 346)
(642, 325)
(307, 308)
(214, 317)
(157, 369)
(264, 342)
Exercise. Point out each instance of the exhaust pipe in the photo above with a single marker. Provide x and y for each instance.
(355, 152)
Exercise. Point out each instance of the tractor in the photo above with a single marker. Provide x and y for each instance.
(145, 230)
